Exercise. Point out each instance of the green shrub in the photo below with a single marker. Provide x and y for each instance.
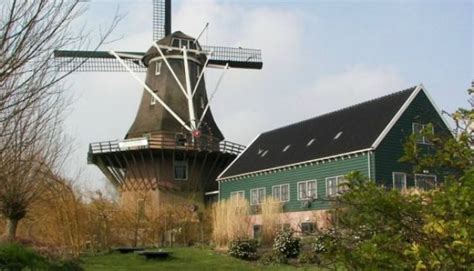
(324, 241)
(286, 244)
(308, 257)
(65, 265)
(14, 256)
(273, 258)
(245, 249)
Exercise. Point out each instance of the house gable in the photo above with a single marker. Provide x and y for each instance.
(419, 109)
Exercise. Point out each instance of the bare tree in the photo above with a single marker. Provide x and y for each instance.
(32, 99)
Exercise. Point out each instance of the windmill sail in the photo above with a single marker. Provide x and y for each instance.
(236, 57)
(97, 61)
(161, 19)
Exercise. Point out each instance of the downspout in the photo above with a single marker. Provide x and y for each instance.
(368, 164)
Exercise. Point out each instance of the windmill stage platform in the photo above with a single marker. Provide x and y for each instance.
(141, 164)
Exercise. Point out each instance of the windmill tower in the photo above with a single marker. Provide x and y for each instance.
(173, 150)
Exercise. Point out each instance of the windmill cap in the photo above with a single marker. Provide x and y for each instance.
(166, 41)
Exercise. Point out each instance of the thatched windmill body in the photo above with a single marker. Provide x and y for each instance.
(173, 149)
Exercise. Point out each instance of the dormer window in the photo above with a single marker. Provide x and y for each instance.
(183, 42)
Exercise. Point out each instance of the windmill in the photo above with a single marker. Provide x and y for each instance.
(174, 149)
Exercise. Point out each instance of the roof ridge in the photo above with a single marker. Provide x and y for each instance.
(343, 109)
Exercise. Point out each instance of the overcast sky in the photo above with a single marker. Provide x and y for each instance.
(318, 56)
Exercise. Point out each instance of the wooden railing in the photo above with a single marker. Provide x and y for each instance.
(169, 143)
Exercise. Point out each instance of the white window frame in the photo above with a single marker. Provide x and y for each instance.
(404, 185)
(158, 68)
(258, 202)
(315, 196)
(338, 191)
(153, 100)
(429, 175)
(237, 195)
(280, 197)
(181, 41)
(423, 138)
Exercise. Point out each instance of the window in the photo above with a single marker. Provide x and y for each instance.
(152, 99)
(198, 71)
(335, 185)
(281, 192)
(310, 142)
(338, 135)
(158, 68)
(307, 190)
(184, 43)
(286, 148)
(175, 43)
(201, 99)
(180, 140)
(418, 132)
(257, 196)
(308, 227)
(237, 195)
(264, 153)
(399, 181)
(425, 181)
(180, 168)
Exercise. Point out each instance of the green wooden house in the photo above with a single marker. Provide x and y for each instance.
(305, 161)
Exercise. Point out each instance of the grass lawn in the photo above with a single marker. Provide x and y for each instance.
(182, 259)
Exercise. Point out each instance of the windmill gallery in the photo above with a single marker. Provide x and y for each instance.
(175, 153)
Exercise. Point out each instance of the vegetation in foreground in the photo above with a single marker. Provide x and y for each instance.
(183, 259)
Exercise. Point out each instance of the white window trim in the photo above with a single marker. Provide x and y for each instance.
(158, 68)
(237, 193)
(337, 185)
(404, 179)
(184, 42)
(429, 175)
(280, 185)
(424, 141)
(306, 184)
(264, 195)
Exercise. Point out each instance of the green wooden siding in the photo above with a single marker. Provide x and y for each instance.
(391, 148)
(310, 172)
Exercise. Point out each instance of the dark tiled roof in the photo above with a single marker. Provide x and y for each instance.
(359, 125)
